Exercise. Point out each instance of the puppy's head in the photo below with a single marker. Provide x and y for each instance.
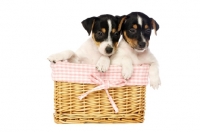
(136, 30)
(105, 32)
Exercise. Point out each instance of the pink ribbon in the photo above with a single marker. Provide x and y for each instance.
(104, 85)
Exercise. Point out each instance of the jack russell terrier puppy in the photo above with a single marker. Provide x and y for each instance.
(100, 46)
(133, 48)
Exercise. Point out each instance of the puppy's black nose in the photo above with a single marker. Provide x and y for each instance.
(109, 49)
(142, 44)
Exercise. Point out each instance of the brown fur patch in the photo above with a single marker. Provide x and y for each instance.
(120, 23)
(97, 43)
(154, 26)
(135, 26)
(131, 42)
(115, 46)
(146, 26)
(113, 30)
(103, 30)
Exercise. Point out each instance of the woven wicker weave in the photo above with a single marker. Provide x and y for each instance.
(96, 108)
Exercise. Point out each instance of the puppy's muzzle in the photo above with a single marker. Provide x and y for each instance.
(109, 50)
(142, 45)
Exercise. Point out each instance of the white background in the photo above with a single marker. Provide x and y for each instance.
(31, 30)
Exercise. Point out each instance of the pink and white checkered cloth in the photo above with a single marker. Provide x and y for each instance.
(87, 73)
(80, 73)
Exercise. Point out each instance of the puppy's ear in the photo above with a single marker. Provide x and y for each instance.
(120, 20)
(154, 25)
(88, 24)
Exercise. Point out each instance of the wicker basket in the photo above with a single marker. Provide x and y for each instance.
(96, 108)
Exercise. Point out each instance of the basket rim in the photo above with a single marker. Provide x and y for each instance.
(81, 73)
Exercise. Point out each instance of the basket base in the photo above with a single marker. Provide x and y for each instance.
(79, 120)
(96, 108)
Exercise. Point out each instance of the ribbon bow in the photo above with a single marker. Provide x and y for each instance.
(104, 85)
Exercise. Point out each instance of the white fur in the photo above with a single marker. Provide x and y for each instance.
(140, 50)
(103, 64)
(139, 20)
(143, 39)
(88, 53)
(127, 57)
(109, 31)
(107, 42)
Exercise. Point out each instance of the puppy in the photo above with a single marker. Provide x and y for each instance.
(133, 48)
(102, 43)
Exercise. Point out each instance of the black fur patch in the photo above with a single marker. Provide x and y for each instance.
(95, 24)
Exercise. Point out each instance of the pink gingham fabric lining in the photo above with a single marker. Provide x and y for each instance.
(81, 73)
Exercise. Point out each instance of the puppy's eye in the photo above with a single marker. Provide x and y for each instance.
(148, 31)
(132, 30)
(100, 34)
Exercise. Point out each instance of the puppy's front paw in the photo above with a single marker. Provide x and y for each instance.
(55, 58)
(155, 81)
(127, 71)
(103, 64)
